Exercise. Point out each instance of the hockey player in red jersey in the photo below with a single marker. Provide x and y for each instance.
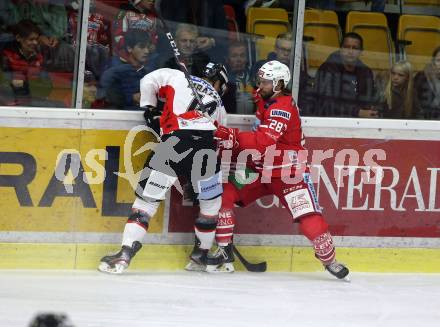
(277, 145)
(187, 148)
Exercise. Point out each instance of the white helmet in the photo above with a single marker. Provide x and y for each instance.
(275, 71)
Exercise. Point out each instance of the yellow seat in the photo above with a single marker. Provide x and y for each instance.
(323, 35)
(421, 35)
(379, 50)
(268, 23)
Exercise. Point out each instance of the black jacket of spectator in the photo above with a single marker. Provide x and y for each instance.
(397, 110)
(426, 96)
(341, 93)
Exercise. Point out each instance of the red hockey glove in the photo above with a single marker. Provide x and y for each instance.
(226, 137)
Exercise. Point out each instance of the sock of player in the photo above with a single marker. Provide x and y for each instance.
(226, 219)
(315, 229)
(137, 223)
(225, 227)
(204, 228)
(133, 232)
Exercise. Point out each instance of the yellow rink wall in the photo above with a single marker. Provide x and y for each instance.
(42, 227)
(174, 257)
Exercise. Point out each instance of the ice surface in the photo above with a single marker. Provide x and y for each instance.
(241, 299)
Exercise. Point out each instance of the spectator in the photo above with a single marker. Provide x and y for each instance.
(208, 16)
(51, 17)
(98, 38)
(427, 89)
(136, 15)
(344, 85)
(238, 98)
(282, 52)
(186, 41)
(119, 85)
(396, 92)
(22, 65)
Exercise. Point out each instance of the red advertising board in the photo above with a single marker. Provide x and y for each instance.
(404, 203)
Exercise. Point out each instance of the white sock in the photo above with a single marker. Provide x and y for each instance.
(133, 232)
(206, 238)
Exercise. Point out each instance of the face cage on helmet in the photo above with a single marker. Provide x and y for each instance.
(223, 88)
(222, 77)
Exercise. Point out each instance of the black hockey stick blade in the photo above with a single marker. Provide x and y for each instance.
(253, 267)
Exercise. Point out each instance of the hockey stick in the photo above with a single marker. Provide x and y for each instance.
(182, 66)
(253, 267)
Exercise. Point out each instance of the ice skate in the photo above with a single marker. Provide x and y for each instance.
(197, 258)
(117, 263)
(221, 261)
(338, 270)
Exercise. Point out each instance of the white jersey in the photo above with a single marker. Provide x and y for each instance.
(180, 109)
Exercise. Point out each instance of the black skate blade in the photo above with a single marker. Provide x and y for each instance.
(341, 275)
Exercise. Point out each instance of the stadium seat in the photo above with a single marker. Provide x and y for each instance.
(268, 23)
(418, 37)
(379, 50)
(322, 35)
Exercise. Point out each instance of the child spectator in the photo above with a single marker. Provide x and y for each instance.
(22, 65)
(51, 18)
(396, 92)
(119, 85)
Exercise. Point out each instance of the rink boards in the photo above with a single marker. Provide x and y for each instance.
(63, 205)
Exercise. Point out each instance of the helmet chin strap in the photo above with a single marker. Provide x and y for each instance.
(275, 92)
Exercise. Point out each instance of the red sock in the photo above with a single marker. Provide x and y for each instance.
(226, 218)
(225, 227)
(315, 229)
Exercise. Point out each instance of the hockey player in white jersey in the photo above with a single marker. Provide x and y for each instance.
(187, 148)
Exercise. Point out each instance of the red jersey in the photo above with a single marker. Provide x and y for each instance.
(131, 20)
(180, 109)
(98, 31)
(277, 136)
(20, 67)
